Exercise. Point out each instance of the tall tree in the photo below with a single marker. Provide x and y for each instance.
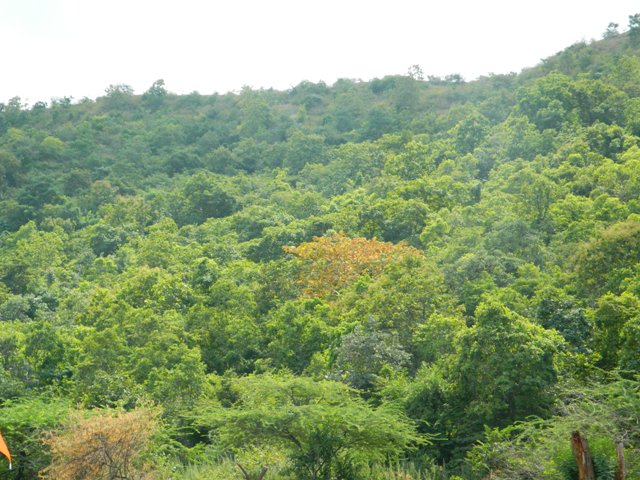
(325, 428)
(505, 370)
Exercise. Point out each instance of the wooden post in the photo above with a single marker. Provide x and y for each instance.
(581, 452)
(620, 470)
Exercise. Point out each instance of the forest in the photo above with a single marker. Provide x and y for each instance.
(412, 277)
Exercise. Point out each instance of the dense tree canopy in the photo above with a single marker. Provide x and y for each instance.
(400, 278)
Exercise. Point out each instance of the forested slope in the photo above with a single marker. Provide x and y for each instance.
(426, 277)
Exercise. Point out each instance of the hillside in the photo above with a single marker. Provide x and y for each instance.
(421, 277)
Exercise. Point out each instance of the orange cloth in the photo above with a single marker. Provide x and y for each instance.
(4, 450)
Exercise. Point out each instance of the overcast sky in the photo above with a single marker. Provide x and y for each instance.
(56, 48)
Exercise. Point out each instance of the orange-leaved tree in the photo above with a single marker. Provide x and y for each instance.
(106, 446)
(333, 262)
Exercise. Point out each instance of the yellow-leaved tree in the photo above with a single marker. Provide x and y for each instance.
(333, 262)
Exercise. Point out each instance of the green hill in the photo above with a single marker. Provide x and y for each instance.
(406, 276)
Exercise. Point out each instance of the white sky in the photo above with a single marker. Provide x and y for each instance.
(56, 48)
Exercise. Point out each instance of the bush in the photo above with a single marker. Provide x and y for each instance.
(104, 446)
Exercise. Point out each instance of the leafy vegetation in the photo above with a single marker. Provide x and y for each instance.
(401, 278)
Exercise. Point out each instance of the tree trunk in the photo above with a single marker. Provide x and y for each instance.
(620, 471)
(581, 452)
(247, 476)
(244, 472)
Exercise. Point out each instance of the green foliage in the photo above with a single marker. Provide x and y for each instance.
(603, 262)
(152, 242)
(634, 29)
(155, 96)
(323, 426)
(296, 332)
(505, 370)
(537, 448)
(23, 424)
(301, 149)
(571, 321)
(364, 353)
(204, 198)
(611, 314)
(602, 456)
